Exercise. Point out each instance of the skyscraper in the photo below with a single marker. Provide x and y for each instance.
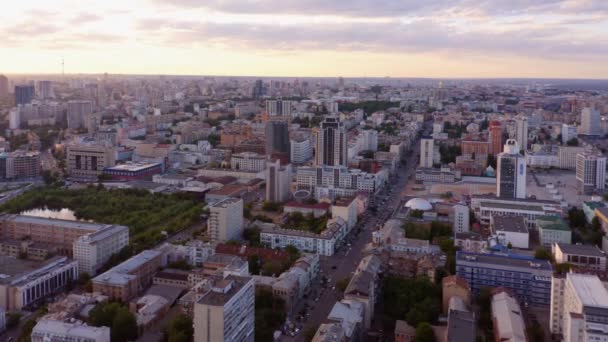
(331, 148)
(258, 89)
(590, 171)
(522, 132)
(45, 89)
(590, 122)
(77, 111)
(278, 180)
(24, 94)
(3, 86)
(511, 172)
(427, 146)
(277, 137)
(495, 138)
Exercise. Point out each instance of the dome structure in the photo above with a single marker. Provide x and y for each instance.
(419, 204)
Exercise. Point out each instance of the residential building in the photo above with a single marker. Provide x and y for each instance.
(316, 209)
(579, 308)
(25, 283)
(568, 132)
(226, 220)
(529, 279)
(129, 278)
(590, 122)
(589, 208)
(462, 326)
(511, 230)
(324, 243)
(279, 108)
(330, 182)
(461, 218)
(455, 287)
(471, 242)
(277, 137)
(78, 110)
(427, 148)
(511, 172)
(2, 316)
(507, 318)
(495, 138)
(94, 249)
(553, 229)
(278, 182)
(226, 311)
(45, 89)
(364, 286)
(19, 165)
(24, 94)
(68, 331)
(300, 150)
(331, 141)
(586, 257)
(349, 315)
(3, 86)
(442, 175)
(590, 171)
(87, 161)
(522, 131)
(248, 161)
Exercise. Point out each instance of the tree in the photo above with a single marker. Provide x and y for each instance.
(572, 142)
(342, 284)
(294, 253)
(491, 161)
(254, 264)
(179, 329)
(596, 225)
(542, 254)
(577, 217)
(124, 326)
(26, 330)
(424, 333)
(416, 213)
(12, 319)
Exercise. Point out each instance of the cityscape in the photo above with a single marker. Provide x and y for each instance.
(302, 171)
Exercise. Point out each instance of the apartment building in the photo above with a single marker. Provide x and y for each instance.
(129, 278)
(19, 165)
(225, 312)
(248, 161)
(226, 220)
(94, 249)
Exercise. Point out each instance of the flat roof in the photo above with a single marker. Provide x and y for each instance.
(587, 250)
(231, 285)
(71, 224)
(119, 274)
(133, 167)
(512, 206)
(552, 223)
(504, 260)
(514, 224)
(226, 202)
(589, 289)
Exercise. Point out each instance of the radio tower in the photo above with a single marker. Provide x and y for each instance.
(62, 68)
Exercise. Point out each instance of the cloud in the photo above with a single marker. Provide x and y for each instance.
(85, 18)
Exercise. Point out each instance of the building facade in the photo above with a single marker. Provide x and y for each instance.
(226, 220)
(87, 162)
(511, 172)
(92, 250)
(331, 143)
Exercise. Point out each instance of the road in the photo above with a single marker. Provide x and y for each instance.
(344, 262)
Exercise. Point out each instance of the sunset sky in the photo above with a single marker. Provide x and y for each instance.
(398, 38)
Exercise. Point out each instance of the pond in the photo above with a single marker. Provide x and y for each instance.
(63, 214)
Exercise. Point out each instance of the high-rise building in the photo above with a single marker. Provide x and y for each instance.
(301, 149)
(568, 132)
(14, 118)
(24, 94)
(590, 122)
(277, 137)
(89, 161)
(511, 172)
(522, 132)
(226, 311)
(579, 308)
(77, 111)
(3, 86)
(278, 108)
(461, 218)
(427, 147)
(226, 220)
(278, 181)
(258, 89)
(94, 249)
(590, 171)
(331, 143)
(45, 89)
(495, 138)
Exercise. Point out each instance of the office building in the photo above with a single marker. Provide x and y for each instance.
(78, 110)
(25, 283)
(226, 220)
(590, 122)
(521, 123)
(579, 308)
(68, 331)
(507, 318)
(24, 94)
(461, 218)
(486, 206)
(590, 171)
(511, 173)
(277, 137)
(300, 150)
(427, 147)
(258, 89)
(226, 311)
(127, 279)
(87, 161)
(585, 257)
(528, 279)
(553, 229)
(329, 182)
(511, 230)
(495, 138)
(94, 249)
(45, 90)
(134, 171)
(278, 108)
(19, 165)
(248, 161)
(3, 86)
(331, 142)
(278, 182)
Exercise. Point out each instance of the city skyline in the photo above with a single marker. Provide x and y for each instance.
(435, 39)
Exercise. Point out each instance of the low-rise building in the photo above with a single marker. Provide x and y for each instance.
(133, 171)
(454, 286)
(511, 230)
(59, 331)
(486, 207)
(324, 243)
(404, 332)
(471, 242)
(248, 161)
(588, 257)
(345, 208)
(507, 318)
(553, 229)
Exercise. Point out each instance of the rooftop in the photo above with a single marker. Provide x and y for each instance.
(78, 330)
(132, 166)
(461, 326)
(589, 289)
(231, 285)
(514, 224)
(14, 271)
(120, 274)
(588, 250)
(512, 206)
(226, 203)
(552, 223)
(70, 224)
(504, 260)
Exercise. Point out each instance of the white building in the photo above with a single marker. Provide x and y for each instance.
(59, 331)
(568, 132)
(301, 150)
(226, 220)
(522, 131)
(426, 152)
(567, 156)
(486, 207)
(461, 218)
(590, 122)
(226, 311)
(278, 108)
(511, 172)
(278, 182)
(579, 307)
(92, 250)
(508, 319)
(248, 161)
(14, 119)
(327, 181)
(366, 140)
(590, 171)
(553, 229)
(346, 208)
(324, 243)
(511, 230)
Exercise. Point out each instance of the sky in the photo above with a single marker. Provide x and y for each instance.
(320, 38)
